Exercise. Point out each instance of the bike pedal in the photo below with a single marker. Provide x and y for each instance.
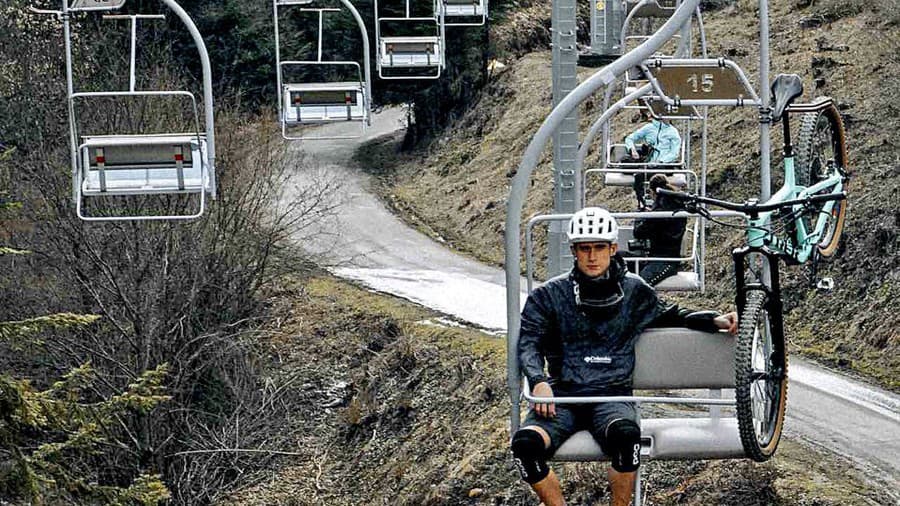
(825, 284)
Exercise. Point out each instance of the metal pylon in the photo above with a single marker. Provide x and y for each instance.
(566, 195)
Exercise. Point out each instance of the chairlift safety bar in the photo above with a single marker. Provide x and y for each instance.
(529, 239)
(637, 399)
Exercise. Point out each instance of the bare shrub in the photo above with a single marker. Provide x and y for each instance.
(188, 295)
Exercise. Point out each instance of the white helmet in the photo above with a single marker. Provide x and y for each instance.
(593, 224)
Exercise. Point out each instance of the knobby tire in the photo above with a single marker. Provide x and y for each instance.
(760, 388)
(821, 152)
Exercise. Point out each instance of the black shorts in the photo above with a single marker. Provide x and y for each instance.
(571, 418)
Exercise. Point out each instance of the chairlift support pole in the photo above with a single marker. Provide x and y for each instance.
(132, 79)
(765, 120)
(566, 195)
(321, 12)
(207, 90)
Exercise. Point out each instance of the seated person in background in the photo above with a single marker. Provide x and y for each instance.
(663, 142)
(658, 237)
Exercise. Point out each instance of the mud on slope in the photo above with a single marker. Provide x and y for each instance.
(457, 186)
(399, 407)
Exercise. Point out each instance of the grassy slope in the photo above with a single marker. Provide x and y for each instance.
(457, 187)
(399, 411)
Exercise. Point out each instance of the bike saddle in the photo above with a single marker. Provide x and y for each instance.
(785, 89)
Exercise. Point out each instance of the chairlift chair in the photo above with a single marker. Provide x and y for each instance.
(464, 12)
(406, 52)
(699, 364)
(121, 165)
(312, 103)
(96, 5)
(683, 280)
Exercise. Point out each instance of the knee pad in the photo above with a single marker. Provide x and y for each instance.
(529, 454)
(623, 442)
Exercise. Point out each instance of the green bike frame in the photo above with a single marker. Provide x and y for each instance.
(799, 251)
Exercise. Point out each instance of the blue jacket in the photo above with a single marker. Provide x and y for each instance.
(589, 352)
(664, 139)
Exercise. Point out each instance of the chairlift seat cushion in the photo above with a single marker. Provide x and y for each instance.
(667, 439)
(143, 164)
(680, 282)
(623, 179)
(323, 102)
(419, 51)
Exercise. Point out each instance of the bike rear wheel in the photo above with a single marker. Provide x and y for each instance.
(821, 152)
(760, 379)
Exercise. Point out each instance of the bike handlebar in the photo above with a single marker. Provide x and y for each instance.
(751, 207)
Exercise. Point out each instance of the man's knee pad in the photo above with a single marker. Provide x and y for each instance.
(529, 454)
(623, 441)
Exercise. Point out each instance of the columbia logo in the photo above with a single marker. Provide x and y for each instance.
(597, 360)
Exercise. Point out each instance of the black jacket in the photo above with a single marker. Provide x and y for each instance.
(665, 234)
(590, 351)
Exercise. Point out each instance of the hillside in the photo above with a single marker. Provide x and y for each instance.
(397, 406)
(457, 186)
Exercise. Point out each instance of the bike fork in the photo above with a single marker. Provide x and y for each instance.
(774, 307)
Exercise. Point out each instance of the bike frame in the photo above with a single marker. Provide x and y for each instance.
(759, 234)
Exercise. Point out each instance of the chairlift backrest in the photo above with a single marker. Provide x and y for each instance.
(143, 164)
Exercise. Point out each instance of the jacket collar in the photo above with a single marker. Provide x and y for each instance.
(602, 291)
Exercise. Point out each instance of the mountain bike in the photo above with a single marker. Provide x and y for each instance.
(801, 223)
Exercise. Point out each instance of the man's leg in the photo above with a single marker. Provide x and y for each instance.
(529, 447)
(621, 485)
(617, 430)
(535, 442)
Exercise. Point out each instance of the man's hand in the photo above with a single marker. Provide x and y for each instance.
(634, 154)
(547, 410)
(727, 322)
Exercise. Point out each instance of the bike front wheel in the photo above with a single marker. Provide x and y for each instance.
(760, 379)
(821, 153)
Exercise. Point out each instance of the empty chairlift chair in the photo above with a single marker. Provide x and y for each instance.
(410, 47)
(110, 166)
(310, 103)
(464, 12)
